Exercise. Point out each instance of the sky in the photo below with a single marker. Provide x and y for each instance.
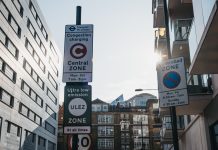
(123, 48)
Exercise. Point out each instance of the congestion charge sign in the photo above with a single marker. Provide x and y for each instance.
(172, 83)
(77, 109)
(78, 51)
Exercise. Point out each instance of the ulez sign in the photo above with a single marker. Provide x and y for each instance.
(172, 85)
(77, 109)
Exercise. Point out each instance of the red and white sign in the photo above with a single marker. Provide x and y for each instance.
(78, 52)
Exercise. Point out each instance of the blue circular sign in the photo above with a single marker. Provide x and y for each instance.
(171, 80)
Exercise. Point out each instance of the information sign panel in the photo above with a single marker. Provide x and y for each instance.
(77, 109)
(78, 52)
(172, 85)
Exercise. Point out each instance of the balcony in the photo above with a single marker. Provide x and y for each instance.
(158, 12)
(180, 8)
(161, 42)
(200, 95)
(204, 35)
(166, 130)
(180, 46)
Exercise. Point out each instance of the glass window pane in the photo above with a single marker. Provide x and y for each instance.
(40, 83)
(15, 26)
(39, 22)
(31, 29)
(33, 95)
(29, 47)
(26, 88)
(31, 115)
(9, 72)
(36, 57)
(24, 110)
(6, 98)
(27, 67)
(38, 41)
(35, 76)
(42, 66)
(43, 49)
(12, 48)
(33, 10)
(38, 120)
(2, 37)
(39, 101)
(4, 10)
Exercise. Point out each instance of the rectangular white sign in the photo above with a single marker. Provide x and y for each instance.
(173, 98)
(172, 84)
(78, 53)
(77, 129)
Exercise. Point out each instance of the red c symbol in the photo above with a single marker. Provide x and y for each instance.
(78, 51)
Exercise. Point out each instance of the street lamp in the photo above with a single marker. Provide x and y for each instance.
(137, 90)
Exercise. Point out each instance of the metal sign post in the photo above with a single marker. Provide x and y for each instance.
(77, 72)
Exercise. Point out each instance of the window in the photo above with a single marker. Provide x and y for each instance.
(38, 20)
(51, 146)
(50, 112)
(28, 113)
(140, 130)
(35, 56)
(18, 6)
(36, 37)
(54, 51)
(214, 135)
(10, 19)
(32, 94)
(49, 128)
(6, 98)
(41, 141)
(52, 81)
(13, 129)
(105, 119)
(54, 68)
(51, 96)
(138, 119)
(104, 143)
(124, 125)
(8, 44)
(33, 74)
(104, 131)
(7, 71)
(30, 136)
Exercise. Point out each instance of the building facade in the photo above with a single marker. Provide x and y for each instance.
(29, 77)
(125, 127)
(193, 32)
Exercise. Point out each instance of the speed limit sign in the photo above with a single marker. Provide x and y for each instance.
(84, 142)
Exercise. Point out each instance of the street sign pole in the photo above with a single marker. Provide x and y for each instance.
(78, 22)
(172, 108)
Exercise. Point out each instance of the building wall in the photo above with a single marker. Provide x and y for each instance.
(202, 11)
(194, 136)
(40, 119)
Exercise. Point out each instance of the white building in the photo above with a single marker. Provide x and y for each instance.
(29, 78)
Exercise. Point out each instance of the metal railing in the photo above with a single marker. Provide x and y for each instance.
(182, 29)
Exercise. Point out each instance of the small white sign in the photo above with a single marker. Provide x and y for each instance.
(172, 84)
(77, 129)
(78, 52)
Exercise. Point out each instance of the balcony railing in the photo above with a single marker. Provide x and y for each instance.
(199, 84)
(182, 29)
(157, 3)
(168, 125)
